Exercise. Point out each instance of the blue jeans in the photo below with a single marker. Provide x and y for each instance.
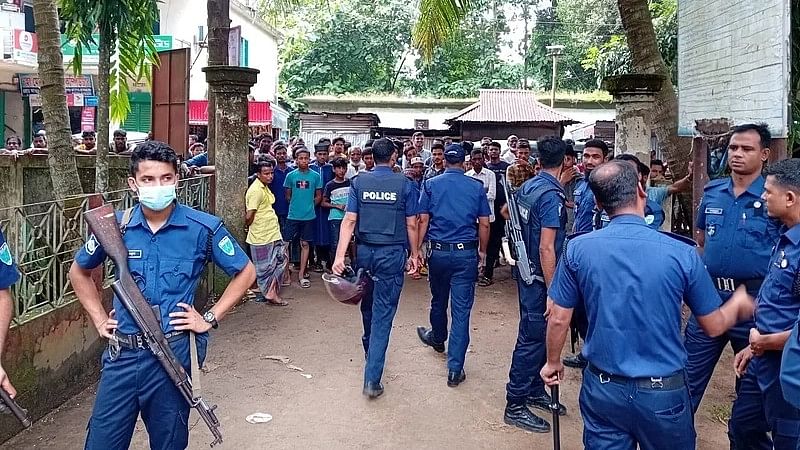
(619, 416)
(336, 225)
(136, 383)
(452, 277)
(529, 353)
(386, 264)
(761, 408)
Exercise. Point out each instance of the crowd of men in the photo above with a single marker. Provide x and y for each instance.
(86, 144)
(597, 263)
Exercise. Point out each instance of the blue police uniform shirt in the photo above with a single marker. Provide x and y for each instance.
(546, 211)
(633, 300)
(584, 207)
(454, 203)
(167, 265)
(778, 301)
(410, 192)
(281, 206)
(738, 234)
(8, 270)
(198, 160)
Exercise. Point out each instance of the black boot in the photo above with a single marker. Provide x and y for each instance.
(426, 338)
(520, 416)
(543, 402)
(455, 378)
(575, 361)
(372, 390)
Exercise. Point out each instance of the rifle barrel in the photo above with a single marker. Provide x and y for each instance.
(17, 410)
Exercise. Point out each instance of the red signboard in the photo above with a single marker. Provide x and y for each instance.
(258, 113)
(87, 118)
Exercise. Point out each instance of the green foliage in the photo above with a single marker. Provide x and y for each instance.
(129, 24)
(468, 61)
(612, 56)
(435, 24)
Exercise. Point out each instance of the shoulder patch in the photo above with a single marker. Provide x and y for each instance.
(91, 245)
(5, 254)
(678, 237)
(226, 246)
(209, 221)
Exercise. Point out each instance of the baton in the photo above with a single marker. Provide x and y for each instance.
(554, 406)
(18, 412)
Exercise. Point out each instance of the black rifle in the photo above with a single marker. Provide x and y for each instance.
(514, 234)
(106, 230)
(555, 406)
(18, 412)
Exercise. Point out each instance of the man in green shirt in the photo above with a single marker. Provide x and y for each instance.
(303, 192)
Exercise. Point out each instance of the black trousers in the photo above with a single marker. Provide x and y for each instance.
(496, 232)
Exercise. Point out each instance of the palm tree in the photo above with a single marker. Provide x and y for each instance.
(61, 157)
(125, 32)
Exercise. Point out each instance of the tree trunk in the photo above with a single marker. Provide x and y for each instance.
(219, 22)
(646, 58)
(61, 157)
(103, 69)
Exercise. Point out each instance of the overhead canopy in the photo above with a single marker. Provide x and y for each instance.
(509, 106)
(259, 113)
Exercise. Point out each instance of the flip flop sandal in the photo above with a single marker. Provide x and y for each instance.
(272, 302)
(304, 283)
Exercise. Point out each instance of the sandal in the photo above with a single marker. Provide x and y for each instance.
(416, 276)
(272, 302)
(304, 283)
(483, 282)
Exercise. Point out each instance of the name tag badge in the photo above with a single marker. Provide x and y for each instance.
(134, 254)
(714, 211)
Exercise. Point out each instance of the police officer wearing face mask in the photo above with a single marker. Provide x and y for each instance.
(169, 245)
(543, 217)
(450, 205)
(382, 211)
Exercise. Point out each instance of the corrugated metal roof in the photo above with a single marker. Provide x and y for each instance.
(509, 106)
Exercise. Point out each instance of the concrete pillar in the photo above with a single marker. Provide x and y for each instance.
(633, 97)
(231, 85)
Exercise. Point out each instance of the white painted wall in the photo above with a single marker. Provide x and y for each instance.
(181, 19)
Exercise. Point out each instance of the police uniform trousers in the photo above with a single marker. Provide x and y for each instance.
(760, 408)
(452, 277)
(136, 382)
(704, 352)
(386, 266)
(530, 352)
(620, 415)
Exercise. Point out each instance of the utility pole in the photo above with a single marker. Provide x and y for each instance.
(554, 51)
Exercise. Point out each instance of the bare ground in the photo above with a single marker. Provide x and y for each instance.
(418, 410)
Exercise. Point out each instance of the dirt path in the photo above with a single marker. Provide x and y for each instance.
(418, 410)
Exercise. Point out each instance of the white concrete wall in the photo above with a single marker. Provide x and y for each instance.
(181, 19)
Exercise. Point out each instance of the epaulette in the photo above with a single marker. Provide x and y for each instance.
(678, 237)
(475, 179)
(716, 183)
(570, 238)
(209, 221)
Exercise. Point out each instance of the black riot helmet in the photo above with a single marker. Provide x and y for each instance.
(349, 287)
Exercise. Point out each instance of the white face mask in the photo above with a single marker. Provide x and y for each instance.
(156, 198)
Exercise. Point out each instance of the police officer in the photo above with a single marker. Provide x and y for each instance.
(737, 238)
(653, 212)
(634, 390)
(760, 406)
(449, 206)
(541, 210)
(8, 276)
(381, 210)
(168, 245)
(595, 152)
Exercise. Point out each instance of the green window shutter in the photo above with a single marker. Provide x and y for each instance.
(244, 56)
(139, 117)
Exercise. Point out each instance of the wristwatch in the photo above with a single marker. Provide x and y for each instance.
(211, 318)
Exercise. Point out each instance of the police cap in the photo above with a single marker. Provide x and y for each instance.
(454, 153)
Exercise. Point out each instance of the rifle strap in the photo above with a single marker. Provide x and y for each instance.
(195, 365)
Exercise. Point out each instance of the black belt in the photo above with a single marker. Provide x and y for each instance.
(455, 246)
(669, 383)
(730, 284)
(137, 341)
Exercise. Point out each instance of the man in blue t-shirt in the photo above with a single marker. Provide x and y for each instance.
(303, 189)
